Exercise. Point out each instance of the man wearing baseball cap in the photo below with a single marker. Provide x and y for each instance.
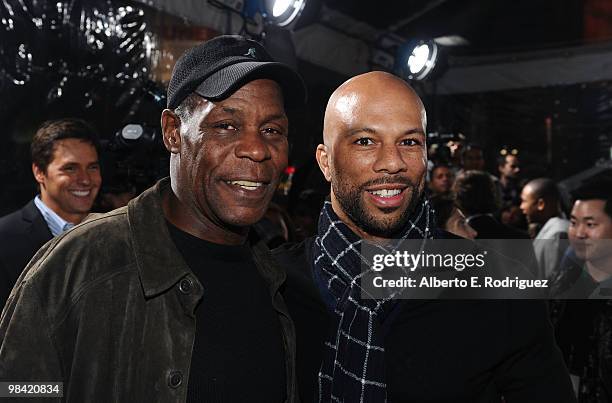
(172, 298)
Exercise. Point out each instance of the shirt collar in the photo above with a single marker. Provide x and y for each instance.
(56, 224)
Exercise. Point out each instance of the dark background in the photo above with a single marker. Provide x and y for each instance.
(65, 72)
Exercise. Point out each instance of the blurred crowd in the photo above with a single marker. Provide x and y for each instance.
(570, 248)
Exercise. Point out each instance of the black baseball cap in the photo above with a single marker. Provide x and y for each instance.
(217, 68)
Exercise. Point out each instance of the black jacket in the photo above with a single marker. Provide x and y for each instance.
(439, 351)
(109, 309)
(22, 233)
(583, 327)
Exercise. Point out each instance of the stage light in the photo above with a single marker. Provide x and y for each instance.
(280, 6)
(283, 12)
(419, 58)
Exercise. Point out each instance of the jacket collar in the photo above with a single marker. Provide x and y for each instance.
(36, 228)
(160, 264)
(30, 212)
(269, 269)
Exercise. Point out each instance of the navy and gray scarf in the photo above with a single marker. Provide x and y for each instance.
(353, 365)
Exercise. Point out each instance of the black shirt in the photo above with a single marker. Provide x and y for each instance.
(238, 353)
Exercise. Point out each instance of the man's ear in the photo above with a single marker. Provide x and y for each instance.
(39, 175)
(171, 130)
(540, 204)
(323, 161)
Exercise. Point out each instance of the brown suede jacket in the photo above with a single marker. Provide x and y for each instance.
(108, 309)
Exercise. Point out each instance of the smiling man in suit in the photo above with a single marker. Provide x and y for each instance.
(66, 168)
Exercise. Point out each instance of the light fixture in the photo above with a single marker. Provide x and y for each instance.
(280, 7)
(283, 12)
(417, 59)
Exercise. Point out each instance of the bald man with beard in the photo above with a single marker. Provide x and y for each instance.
(351, 349)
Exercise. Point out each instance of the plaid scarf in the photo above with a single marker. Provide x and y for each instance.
(353, 364)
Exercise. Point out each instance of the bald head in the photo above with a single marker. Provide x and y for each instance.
(544, 188)
(375, 91)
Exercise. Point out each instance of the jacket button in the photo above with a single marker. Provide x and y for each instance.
(186, 285)
(175, 379)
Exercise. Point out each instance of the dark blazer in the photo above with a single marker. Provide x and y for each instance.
(22, 233)
(441, 351)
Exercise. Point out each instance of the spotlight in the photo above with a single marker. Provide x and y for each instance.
(280, 7)
(417, 59)
(283, 12)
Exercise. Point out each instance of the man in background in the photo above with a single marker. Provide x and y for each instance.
(583, 327)
(442, 178)
(509, 168)
(586, 269)
(66, 167)
(541, 205)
